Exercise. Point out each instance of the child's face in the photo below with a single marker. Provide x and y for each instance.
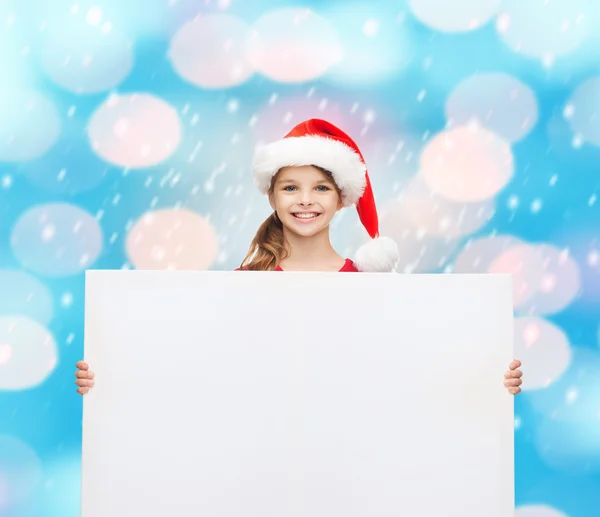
(305, 199)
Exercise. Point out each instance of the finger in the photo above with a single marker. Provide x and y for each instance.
(81, 374)
(82, 391)
(515, 364)
(513, 382)
(82, 365)
(512, 374)
(514, 391)
(84, 383)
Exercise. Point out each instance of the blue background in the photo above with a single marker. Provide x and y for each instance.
(557, 463)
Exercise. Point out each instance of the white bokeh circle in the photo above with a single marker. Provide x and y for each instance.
(374, 46)
(467, 163)
(210, 51)
(543, 29)
(567, 439)
(56, 239)
(21, 472)
(544, 350)
(293, 44)
(22, 293)
(174, 239)
(135, 130)
(583, 112)
(419, 250)
(497, 101)
(478, 254)
(455, 16)
(29, 125)
(441, 217)
(82, 59)
(537, 510)
(28, 353)
(559, 283)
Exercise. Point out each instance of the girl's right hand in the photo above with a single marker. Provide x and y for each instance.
(84, 378)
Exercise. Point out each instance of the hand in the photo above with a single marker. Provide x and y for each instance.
(84, 377)
(512, 378)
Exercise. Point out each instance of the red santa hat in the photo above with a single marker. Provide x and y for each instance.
(318, 142)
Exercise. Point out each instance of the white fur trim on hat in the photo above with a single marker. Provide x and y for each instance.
(380, 255)
(344, 163)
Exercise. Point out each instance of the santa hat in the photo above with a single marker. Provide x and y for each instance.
(318, 142)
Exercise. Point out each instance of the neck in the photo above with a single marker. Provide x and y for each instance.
(313, 253)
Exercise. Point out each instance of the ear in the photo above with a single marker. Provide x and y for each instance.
(272, 202)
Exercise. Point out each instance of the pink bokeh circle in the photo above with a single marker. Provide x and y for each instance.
(210, 51)
(420, 251)
(478, 255)
(439, 216)
(467, 164)
(525, 265)
(176, 239)
(559, 283)
(135, 130)
(544, 350)
(293, 44)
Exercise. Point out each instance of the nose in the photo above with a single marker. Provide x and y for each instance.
(305, 198)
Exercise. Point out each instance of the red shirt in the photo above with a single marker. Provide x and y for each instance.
(348, 267)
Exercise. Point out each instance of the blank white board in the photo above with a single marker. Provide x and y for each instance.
(243, 394)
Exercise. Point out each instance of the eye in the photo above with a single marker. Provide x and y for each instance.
(323, 188)
(289, 188)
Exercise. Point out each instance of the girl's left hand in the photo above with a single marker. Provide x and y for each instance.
(512, 378)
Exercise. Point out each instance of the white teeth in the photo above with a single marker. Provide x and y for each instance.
(306, 216)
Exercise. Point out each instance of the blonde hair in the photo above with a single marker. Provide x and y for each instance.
(269, 246)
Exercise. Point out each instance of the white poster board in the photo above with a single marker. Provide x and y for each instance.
(242, 394)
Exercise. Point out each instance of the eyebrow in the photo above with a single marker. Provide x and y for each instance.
(325, 180)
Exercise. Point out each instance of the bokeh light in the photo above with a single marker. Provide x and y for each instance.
(456, 16)
(419, 250)
(172, 239)
(543, 29)
(293, 45)
(28, 353)
(544, 350)
(583, 112)
(478, 121)
(568, 437)
(438, 216)
(538, 510)
(135, 130)
(83, 56)
(374, 46)
(559, 284)
(496, 101)
(467, 163)
(22, 293)
(210, 51)
(29, 125)
(20, 471)
(526, 267)
(478, 254)
(57, 239)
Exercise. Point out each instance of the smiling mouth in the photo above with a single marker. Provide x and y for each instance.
(306, 216)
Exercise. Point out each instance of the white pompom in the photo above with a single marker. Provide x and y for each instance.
(377, 256)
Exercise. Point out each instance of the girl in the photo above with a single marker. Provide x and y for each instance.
(308, 176)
